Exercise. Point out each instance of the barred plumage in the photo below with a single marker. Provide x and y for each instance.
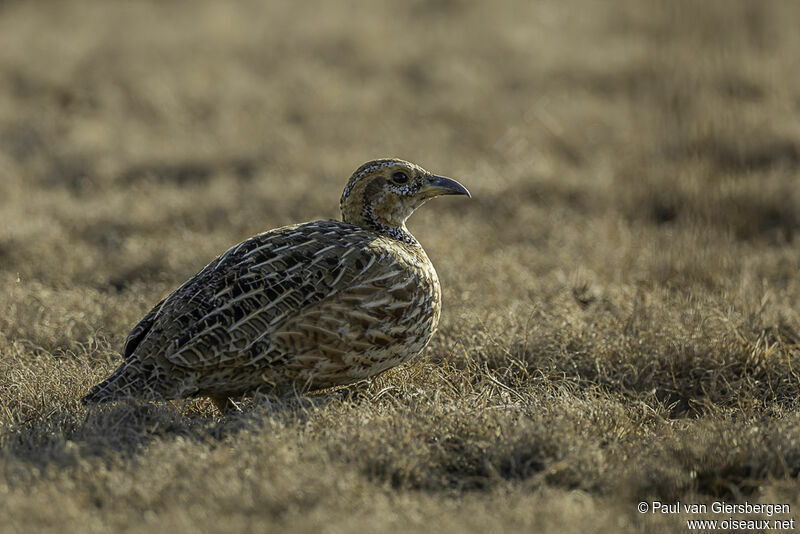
(300, 307)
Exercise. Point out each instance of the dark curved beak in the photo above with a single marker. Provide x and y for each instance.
(440, 185)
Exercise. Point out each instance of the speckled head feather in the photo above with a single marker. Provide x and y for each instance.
(383, 193)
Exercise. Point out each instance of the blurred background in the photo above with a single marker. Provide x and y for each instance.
(128, 128)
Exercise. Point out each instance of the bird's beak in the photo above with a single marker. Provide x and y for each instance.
(439, 185)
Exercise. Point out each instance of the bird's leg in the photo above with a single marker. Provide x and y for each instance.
(224, 404)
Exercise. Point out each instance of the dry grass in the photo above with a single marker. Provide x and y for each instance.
(621, 318)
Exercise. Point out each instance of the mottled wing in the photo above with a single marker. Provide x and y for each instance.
(224, 317)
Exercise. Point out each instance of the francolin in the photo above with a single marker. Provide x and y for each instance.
(301, 307)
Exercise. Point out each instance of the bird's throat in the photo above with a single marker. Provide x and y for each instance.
(400, 233)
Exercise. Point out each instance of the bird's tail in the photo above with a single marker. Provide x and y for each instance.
(127, 382)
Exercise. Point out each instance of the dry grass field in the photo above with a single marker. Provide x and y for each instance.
(621, 316)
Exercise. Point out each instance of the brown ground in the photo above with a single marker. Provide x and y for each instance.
(621, 318)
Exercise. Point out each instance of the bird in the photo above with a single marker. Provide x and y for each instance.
(298, 308)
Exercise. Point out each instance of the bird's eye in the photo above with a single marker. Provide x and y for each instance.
(400, 178)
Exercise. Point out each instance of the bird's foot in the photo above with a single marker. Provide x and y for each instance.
(225, 405)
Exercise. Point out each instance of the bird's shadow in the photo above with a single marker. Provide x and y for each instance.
(127, 428)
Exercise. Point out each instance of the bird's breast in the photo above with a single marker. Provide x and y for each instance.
(422, 291)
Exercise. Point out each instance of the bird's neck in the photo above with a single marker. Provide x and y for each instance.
(369, 209)
(396, 232)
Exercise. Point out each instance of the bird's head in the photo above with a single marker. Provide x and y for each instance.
(383, 193)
